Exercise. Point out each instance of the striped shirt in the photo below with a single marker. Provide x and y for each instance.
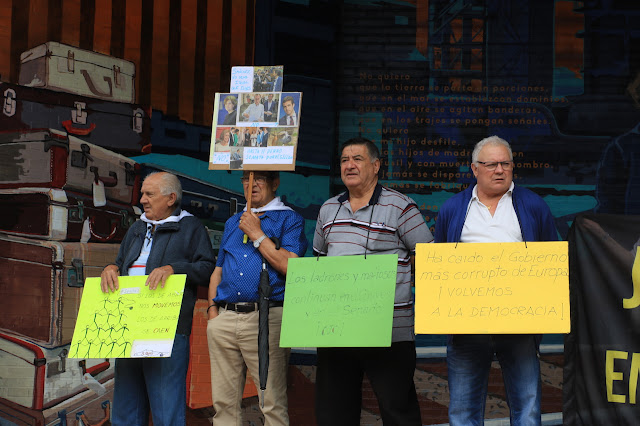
(390, 224)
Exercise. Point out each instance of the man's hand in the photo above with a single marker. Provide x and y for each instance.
(250, 225)
(158, 276)
(109, 279)
(213, 312)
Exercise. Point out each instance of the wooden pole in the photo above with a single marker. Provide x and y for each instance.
(249, 190)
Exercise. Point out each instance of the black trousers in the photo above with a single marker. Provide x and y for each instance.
(390, 370)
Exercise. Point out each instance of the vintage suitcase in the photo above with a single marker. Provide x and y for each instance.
(43, 386)
(58, 215)
(124, 128)
(65, 68)
(53, 159)
(207, 201)
(174, 136)
(41, 285)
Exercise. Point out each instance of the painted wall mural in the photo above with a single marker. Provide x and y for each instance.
(97, 93)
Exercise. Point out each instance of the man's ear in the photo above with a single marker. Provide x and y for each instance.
(172, 199)
(376, 165)
(275, 184)
(474, 169)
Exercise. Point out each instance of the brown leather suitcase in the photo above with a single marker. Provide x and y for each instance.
(58, 215)
(41, 285)
(49, 158)
(43, 386)
(121, 127)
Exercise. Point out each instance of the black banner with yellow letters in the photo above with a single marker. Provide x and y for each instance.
(602, 352)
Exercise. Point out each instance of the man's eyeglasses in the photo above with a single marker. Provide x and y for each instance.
(506, 165)
(260, 180)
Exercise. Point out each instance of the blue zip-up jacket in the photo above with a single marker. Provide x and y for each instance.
(534, 216)
(184, 245)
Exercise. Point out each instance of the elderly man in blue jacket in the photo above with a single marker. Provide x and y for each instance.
(494, 210)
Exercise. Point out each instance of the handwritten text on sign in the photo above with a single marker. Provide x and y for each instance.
(492, 288)
(270, 155)
(241, 79)
(133, 322)
(339, 301)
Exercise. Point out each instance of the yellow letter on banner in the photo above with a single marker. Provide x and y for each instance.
(492, 288)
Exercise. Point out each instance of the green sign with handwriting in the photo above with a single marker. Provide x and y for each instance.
(339, 301)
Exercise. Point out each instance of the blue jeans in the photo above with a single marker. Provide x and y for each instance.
(156, 384)
(469, 360)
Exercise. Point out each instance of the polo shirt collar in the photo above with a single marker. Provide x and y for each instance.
(374, 197)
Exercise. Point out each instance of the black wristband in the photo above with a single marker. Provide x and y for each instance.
(211, 306)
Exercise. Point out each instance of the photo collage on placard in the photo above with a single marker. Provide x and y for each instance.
(256, 129)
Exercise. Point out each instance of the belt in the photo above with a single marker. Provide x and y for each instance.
(245, 307)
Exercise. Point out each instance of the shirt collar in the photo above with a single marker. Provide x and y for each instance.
(374, 197)
(474, 192)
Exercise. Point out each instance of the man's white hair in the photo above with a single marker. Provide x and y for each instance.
(491, 140)
(169, 184)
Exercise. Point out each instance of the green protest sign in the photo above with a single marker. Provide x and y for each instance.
(339, 301)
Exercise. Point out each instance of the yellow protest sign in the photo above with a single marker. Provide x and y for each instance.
(492, 288)
(133, 322)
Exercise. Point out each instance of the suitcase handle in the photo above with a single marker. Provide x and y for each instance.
(94, 89)
(109, 182)
(96, 369)
(114, 228)
(68, 126)
(107, 416)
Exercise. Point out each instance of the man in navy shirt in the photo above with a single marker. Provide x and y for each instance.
(232, 329)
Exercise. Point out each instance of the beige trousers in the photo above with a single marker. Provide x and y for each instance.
(233, 347)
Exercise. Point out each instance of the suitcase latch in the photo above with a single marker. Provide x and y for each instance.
(76, 214)
(79, 158)
(59, 366)
(138, 115)
(9, 106)
(117, 78)
(79, 115)
(71, 61)
(75, 275)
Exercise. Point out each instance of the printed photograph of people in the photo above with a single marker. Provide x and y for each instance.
(252, 110)
(267, 79)
(227, 109)
(235, 158)
(223, 139)
(271, 107)
(282, 136)
(290, 110)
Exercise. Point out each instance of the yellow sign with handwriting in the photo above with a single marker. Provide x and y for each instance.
(492, 288)
(133, 322)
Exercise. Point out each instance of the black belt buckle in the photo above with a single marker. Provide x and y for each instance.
(243, 308)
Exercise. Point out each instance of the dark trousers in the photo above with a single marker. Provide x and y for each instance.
(390, 370)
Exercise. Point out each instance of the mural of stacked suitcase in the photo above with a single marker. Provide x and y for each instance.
(68, 197)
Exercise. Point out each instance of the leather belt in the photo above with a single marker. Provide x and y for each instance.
(246, 307)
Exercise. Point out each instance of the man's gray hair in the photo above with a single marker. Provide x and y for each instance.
(169, 184)
(491, 140)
